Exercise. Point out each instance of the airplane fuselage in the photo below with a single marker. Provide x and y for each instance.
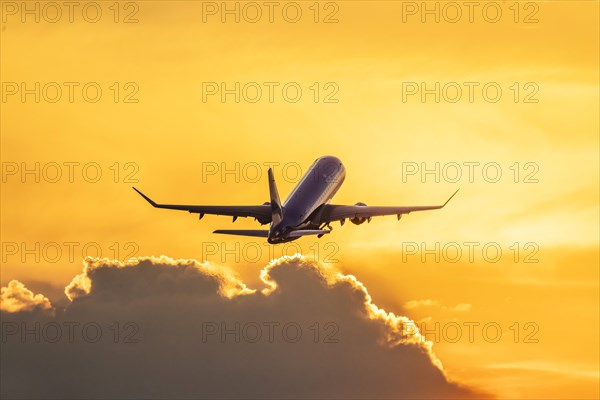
(301, 208)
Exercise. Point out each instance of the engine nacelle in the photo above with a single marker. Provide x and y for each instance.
(358, 221)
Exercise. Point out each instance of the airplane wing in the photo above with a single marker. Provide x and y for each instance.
(262, 213)
(334, 212)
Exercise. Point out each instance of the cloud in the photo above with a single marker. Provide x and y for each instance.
(164, 328)
(412, 304)
(462, 307)
(17, 298)
(421, 303)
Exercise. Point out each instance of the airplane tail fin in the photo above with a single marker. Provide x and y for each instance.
(276, 209)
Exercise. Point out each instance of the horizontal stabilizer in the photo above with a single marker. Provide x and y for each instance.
(296, 234)
(244, 232)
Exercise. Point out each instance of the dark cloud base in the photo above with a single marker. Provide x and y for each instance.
(162, 328)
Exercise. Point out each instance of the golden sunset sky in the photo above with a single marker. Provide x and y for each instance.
(359, 62)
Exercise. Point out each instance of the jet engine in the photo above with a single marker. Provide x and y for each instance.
(358, 221)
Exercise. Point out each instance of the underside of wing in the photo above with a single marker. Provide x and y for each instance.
(262, 212)
(334, 212)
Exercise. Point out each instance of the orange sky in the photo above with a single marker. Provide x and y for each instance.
(369, 58)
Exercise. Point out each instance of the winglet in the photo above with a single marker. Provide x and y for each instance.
(148, 199)
(444, 203)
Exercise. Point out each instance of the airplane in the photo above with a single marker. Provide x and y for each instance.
(306, 211)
